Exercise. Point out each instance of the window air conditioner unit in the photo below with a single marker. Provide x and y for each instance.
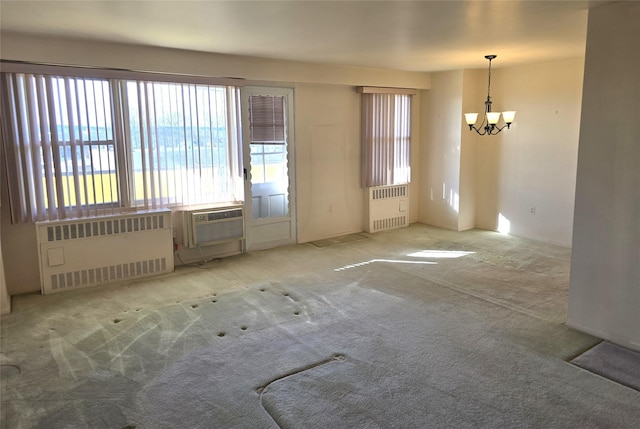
(204, 227)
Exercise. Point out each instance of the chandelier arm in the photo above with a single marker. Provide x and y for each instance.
(506, 125)
(477, 130)
(498, 129)
(484, 123)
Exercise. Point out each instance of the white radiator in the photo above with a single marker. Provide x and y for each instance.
(91, 251)
(204, 227)
(388, 207)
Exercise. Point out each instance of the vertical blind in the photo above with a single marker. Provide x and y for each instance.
(386, 139)
(184, 143)
(83, 146)
(59, 146)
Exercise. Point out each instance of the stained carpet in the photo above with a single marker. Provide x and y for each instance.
(413, 328)
(339, 240)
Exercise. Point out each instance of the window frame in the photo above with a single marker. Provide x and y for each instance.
(66, 153)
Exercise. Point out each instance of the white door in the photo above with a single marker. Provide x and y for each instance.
(267, 135)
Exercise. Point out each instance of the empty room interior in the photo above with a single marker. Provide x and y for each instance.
(320, 214)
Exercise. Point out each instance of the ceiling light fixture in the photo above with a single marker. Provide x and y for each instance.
(489, 124)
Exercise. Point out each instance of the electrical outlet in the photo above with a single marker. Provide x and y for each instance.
(532, 210)
(330, 208)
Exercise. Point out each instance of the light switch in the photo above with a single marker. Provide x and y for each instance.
(55, 256)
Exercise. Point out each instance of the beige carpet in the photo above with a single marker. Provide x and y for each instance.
(339, 240)
(417, 327)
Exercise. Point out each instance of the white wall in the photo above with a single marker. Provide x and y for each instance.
(21, 47)
(440, 152)
(19, 251)
(327, 115)
(328, 161)
(472, 91)
(534, 163)
(470, 181)
(604, 293)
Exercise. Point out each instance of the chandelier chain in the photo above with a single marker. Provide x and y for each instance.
(489, 85)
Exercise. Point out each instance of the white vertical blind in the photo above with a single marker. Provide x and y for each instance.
(58, 145)
(82, 146)
(183, 148)
(386, 139)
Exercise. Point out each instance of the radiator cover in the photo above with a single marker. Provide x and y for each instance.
(86, 252)
(387, 207)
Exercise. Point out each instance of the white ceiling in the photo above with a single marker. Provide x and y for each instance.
(412, 36)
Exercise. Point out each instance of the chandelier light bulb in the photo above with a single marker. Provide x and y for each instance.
(471, 118)
(493, 117)
(508, 116)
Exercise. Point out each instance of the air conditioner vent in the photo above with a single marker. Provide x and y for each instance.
(219, 215)
(205, 227)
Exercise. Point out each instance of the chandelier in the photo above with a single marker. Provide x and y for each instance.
(489, 124)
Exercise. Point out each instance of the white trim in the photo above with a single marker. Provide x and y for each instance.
(624, 342)
(256, 227)
(382, 90)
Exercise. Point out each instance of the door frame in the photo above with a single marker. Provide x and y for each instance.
(255, 237)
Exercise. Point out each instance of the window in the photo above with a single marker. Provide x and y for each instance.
(183, 150)
(81, 146)
(268, 139)
(386, 137)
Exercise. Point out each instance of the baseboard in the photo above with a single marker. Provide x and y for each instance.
(605, 336)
